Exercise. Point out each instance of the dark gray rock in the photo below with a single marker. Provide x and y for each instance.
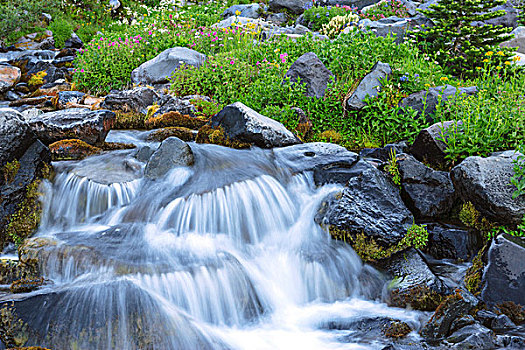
(439, 326)
(384, 153)
(474, 336)
(243, 124)
(15, 135)
(361, 329)
(485, 182)
(74, 123)
(172, 152)
(65, 61)
(246, 10)
(136, 100)
(12, 95)
(158, 69)
(449, 242)
(311, 71)
(426, 101)
(509, 19)
(509, 341)
(26, 61)
(52, 73)
(429, 194)
(330, 163)
(502, 323)
(370, 204)
(65, 97)
(463, 321)
(278, 18)
(485, 317)
(369, 85)
(294, 6)
(144, 153)
(183, 105)
(74, 42)
(517, 43)
(504, 275)
(429, 146)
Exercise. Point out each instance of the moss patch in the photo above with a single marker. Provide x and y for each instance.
(420, 298)
(26, 285)
(216, 136)
(174, 119)
(72, 149)
(514, 311)
(9, 171)
(13, 331)
(129, 120)
(115, 146)
(397, 329)
(160, 135)
(474, 273)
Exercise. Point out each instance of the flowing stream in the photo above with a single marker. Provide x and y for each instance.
(221, 255)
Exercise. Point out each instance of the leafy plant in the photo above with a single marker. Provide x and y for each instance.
(393, 168)
(384, 9)
(518, 178)
(417, 237)
(61, 29)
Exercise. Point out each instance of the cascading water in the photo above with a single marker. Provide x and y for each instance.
(222, 255)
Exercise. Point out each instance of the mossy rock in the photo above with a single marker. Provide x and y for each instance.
(14, 332)
(72, 149)
(473, 276)
(26, 285)
(115, 146)
(129, 120)
(397, 329)
(172, 119)
(216, 136)
(182, 133)
(420, 298)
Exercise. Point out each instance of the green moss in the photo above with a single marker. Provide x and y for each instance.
(24, 222)
(468, 215)
(129, 120)
(330, 136)
(216, 136)
(26, 285)
(397, 329)
(72, 149)
(114, 146)
(160, 135)
(13, 331)
(10, 170)
(420, 297)
(174, 119)
(474, 273)
(37, 79)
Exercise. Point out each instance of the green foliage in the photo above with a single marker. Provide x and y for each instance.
(518, 178)
(61, 29)
(393, 168)
(385, 9)
(417, 237)
(319, 16)
(10, 170)
(457, 43)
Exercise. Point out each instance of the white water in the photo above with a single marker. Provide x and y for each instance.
(223, 255)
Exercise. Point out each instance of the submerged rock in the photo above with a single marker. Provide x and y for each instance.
(310, 71)
(173, 152)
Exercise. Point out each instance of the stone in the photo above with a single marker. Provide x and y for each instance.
(426, 101)
(115, 4)
(473, 336)
(504, 275)
(15, 135)
(69, 97)
(449, 242)
(429, 146)
(429, 194)
(502, 323)
(243, 124)
(50, 74)
(172, 152)
(369, 204)
(144, 153)
(247, 10)
(361, 329)
(28, 59)
(518, 43)
(66, 61)
(369, 85)
(160, 68)
(136, 100)
(11, 95)
(183, 105)
(519, 32)
(294, 6)
(509, 19)
(485, 182)
(74, 123)
(73, 42)
(9, 77)
(330, 163)
(311, 71)
(36, 41)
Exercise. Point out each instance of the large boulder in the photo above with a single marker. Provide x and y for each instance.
(243, 124)
(369, 85)
(74, 123)
(518, 43)
(329, 162)
(474, 336)
(311, 71)
(429, 146)
(295, 6)
(504, 276)
(369, 204)
(66, 98)
(509, 19)
(246, 10)
(428, 193)
(15, 135)
(160, 68)
(449, 242)
(9, 77)
(74, 42)
(172, 152)
(136, 100)
(426, 101)
(485, 182)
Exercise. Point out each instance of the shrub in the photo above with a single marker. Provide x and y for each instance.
(338, 23)
(320, 16)
(61, 29)
(385, 9)
(518, 179)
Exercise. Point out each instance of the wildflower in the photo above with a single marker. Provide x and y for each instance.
(478, 68)
(82, 70)
(490, 53)
(485, 60)
(498, 67)
(232, 62)
(237, 13)
(500, 53)
(403, 78)
(507, 63)
(444, 79)
(516, 58)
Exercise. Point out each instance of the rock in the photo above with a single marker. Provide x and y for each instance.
(115, 4)
(311, 71)
(69, 97)
(22, 88)
(9, 77)
(278, 18)
(369, 204)
(66, 61)
(485, 182)
(369, 85)
(463, 321)
(173, 152)
(15, 135)
(41, 101)
(429, 146)
(453, 307)
(43, 73)
(295, 6)
(518, 43)
(429, 194)
(509, 19)
(11, 96)
(182, 133)
(66, 52)
(384, 153)
(183, 105)
(158, 69)
(74, 42)
(46, 17)
(474, 336)
(174, 119)
(248, 11)
(512, 341)
(485, 317)
(426, 101)
(72, 149)
(30, 58)
(36, 41)
(388, 27)
(26, 285)
(504, 275)
(519, 32)
(144, 153)
(414, 283)
(330, 163)
(243, 124)
(238, 21)
(136, 100)
(362, 329)
(449, 242)
(502, 323)
(74, 123)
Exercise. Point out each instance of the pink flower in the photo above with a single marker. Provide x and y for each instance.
(171, 16)
(82, 70)
(258, 64)
(149, 33)
(232, 62)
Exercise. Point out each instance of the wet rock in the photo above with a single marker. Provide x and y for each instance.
(329, 162)
(453, 307)
(429, 146)
(485, 182)
(22, 88)
(26, 285)
(77, 123)
(369, 85)
(463, 321)
(43, 73)
(158, 69)
(15, 135)
(366, 329)
(247, 10)
(72, 150)
(504, 276)
(135, 100)
(9, 271)
(426, 101)
(9, 77)
(429, 194)
(502, 323)
(449, 242)
(144, 153)
(171, 153)
(36, 41)
(66, 61)
(295, 6)
(69, 97)
(11, 96)
(29, 59)
(66, 52)
(243, 124)
(414, 283)
(311, 71)
(184, 134)
(74, 42)
(369, 204)
(474, 336)
(384, 153)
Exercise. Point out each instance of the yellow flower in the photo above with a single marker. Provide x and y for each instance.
(277, 50)
(490, 53)
(485, 60)
(478, 68)
(237, 13)
(427, 85)
(507, 63)
(498, 67)
(444, 79)
(500, 53)
(516, 58)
